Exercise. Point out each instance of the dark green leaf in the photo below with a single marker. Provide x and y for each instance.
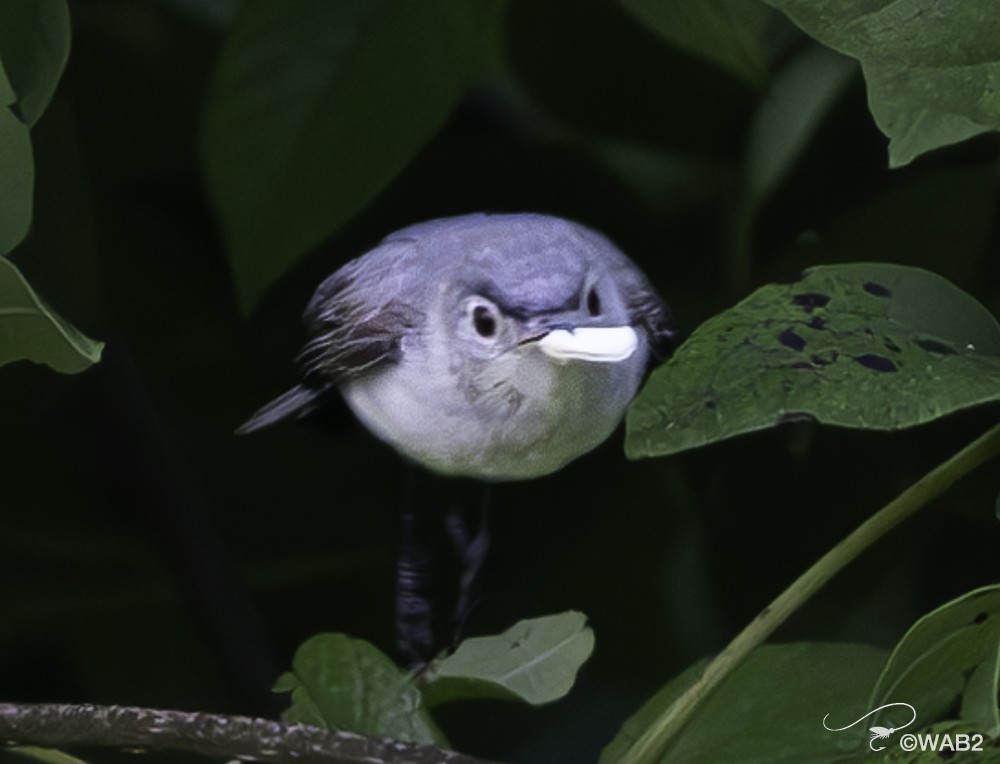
(656, 706)
(769, 711)
(338, 682)
(949, 655)
(664, 179)
(872, 346)
(34, 47)
(932, 68)
(30, 329)
(17, 171)
(798, 98)
(316, 106)
(732, 34)
(535, 660)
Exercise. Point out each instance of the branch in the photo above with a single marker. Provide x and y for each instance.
(213, 735)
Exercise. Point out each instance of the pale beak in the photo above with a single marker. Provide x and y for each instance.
(590, 343)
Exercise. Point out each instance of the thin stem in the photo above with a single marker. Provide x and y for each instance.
(655, 740)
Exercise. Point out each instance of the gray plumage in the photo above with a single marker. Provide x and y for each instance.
(493, 346)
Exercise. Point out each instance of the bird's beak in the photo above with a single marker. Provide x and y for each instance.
(590, 343)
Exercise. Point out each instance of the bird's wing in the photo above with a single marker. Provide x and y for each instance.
(358, 319)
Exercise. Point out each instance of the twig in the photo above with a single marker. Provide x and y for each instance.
(659, 735)
(213, 735)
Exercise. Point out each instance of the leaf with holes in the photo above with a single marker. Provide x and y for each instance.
(867, 345)
(31, 330)
(950, 658)
(536, 660)
(932, 68)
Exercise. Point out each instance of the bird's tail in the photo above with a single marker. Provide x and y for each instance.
(295, 403)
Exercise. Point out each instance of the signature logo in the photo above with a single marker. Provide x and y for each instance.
(878, 733)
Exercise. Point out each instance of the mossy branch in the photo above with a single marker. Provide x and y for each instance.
(214, 735)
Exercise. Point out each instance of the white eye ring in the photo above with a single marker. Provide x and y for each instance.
(485, 319)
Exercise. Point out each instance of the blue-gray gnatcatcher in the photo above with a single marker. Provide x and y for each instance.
(499, 347)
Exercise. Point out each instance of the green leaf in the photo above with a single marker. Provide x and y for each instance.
(17, 171)
(338, 682)
(867, 345)
(536, 661)
(34, 48)
(932, 68)
(44, 755)
(949, 658)
(734, 35)
(30, 329)
(316, 106)
(769, 711)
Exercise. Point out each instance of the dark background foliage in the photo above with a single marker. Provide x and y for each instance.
(150, 557)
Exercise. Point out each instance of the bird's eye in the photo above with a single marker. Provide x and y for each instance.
(593, 302)
(484, 321)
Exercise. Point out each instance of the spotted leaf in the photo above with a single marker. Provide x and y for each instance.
(868, 345)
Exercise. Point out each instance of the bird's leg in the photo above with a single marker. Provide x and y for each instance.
(471, 546)
(443, 549)
(414, 606)
(415, 572)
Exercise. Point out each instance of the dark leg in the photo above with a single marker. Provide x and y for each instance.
(471, 546)
(414, 574)
(443, 550)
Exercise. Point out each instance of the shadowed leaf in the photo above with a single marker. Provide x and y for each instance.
(316, 106)
(734, 35)
(799, 97)
(17, 171)
(34, 48)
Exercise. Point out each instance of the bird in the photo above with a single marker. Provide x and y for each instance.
(498, 347)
